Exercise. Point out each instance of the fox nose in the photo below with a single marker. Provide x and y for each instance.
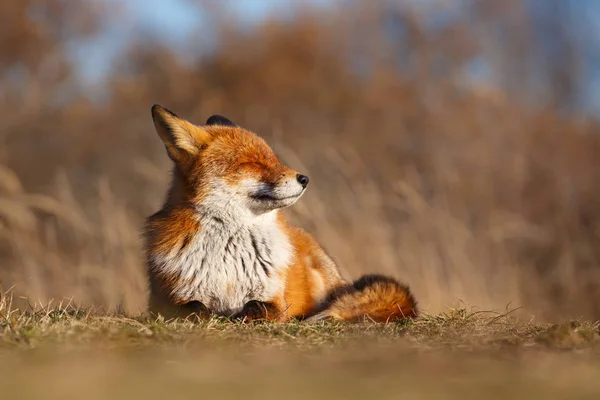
(302, 179)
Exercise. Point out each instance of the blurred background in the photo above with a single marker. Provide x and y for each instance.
(452, 144)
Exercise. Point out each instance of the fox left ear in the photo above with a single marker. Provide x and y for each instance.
(181, 138)
(220, 120)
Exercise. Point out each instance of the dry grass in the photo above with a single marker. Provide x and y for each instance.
(70, 353)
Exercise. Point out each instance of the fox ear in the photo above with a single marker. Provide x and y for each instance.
(220, 120)
(181, 138)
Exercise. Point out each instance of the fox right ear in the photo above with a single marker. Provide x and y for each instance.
(220, 120)
(182, 139)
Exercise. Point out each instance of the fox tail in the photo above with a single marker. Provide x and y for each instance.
(373, 297)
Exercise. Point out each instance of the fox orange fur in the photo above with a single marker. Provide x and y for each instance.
(220, 245)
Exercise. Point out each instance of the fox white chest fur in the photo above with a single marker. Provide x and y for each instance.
(230, 262)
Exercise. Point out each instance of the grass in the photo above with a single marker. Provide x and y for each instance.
(70, 353)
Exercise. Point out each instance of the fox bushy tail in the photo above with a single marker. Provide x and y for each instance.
(373, 297)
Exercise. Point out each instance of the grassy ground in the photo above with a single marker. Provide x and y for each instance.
(459, 354)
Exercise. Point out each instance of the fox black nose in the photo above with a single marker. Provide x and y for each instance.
(302, 179)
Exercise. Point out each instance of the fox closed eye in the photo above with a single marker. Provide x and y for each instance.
(251, 164)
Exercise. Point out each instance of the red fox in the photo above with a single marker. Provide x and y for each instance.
(220, 245)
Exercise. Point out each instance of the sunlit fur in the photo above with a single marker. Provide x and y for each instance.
(219, 238)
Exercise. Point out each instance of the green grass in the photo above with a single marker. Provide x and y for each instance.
(459, 354)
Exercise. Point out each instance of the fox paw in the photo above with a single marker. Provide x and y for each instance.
(255, 310)
(194, 309)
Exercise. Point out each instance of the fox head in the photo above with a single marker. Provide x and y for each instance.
(224, 168)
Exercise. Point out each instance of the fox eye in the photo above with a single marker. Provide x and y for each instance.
(251, 164)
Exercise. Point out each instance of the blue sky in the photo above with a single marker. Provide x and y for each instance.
(172, 21)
